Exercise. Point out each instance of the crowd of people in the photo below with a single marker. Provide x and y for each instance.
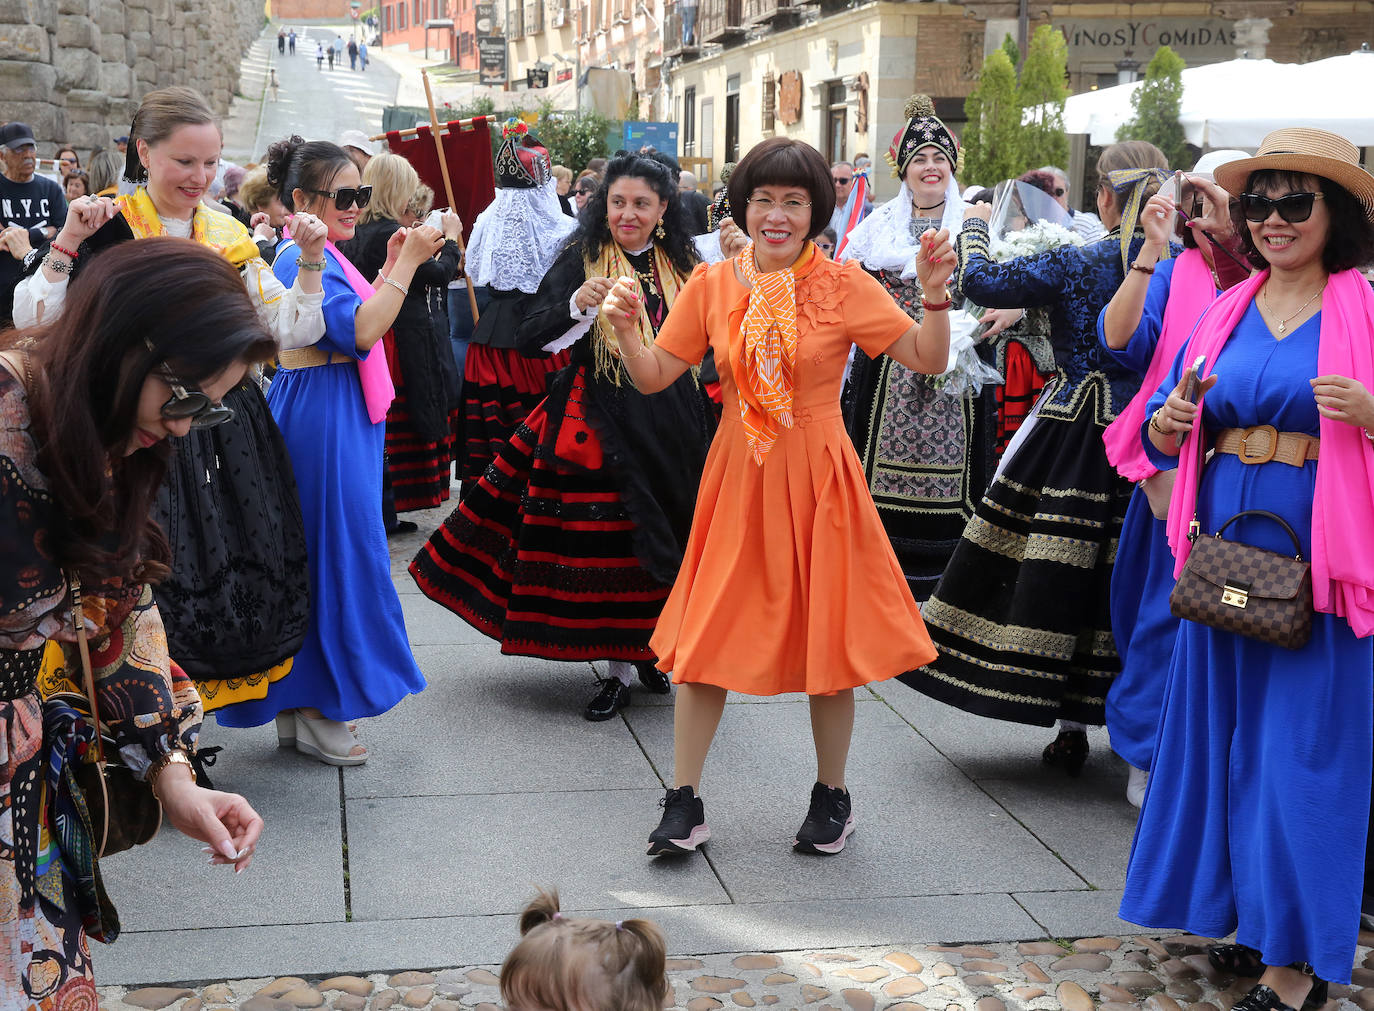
(775, 438)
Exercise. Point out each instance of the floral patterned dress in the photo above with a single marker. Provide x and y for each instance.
(50, 898)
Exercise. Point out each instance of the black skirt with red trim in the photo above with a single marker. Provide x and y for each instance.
(500, 389)
(540, 554)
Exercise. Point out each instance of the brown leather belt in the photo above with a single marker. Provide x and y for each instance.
(309, 358)
(1262, 443)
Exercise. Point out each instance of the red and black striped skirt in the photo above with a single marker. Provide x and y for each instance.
(539, 553)
(500, 388)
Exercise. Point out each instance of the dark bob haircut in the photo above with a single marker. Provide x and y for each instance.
(781, 161)
(1350, 243)
(294, 164)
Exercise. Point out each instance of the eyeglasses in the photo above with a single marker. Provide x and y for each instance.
(791, 207)
(67, 161)
(1292, 207)
(346, 196)
(841, 182)
(193, 404)
(1059, 191)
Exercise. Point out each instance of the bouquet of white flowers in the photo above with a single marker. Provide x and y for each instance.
(1036, 238)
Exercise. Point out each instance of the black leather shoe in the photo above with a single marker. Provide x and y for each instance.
(652, 678)
(613, 697)
(1069, 750)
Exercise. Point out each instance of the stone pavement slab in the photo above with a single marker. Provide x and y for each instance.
(1114, 973)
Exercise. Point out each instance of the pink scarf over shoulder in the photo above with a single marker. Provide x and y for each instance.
(373, 374)
(1343, 502)
(1191, 291)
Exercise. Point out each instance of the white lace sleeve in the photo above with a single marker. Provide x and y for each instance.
(36, 298)
(295, 317)
(581, 323)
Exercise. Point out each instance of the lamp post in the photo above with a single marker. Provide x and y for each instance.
(1126, 68)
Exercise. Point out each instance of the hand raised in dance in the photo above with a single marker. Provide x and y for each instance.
(622, 310)
(732, 238)
(310, 234)
(85, 215)
(935, 261)
(592, 293)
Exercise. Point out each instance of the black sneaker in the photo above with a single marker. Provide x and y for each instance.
(829, 822)
(652, 678)
(683, 827)
(613, 697)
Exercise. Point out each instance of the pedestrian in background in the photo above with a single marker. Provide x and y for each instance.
(337, 48)
(272, 82)
(330, 54)
(281, 41)
(291, 42)
(362, 53)
(352, 54)
(319, 56)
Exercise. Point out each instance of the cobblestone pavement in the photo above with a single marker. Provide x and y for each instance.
(1104, 973)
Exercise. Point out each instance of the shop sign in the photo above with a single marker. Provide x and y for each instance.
(491, 50)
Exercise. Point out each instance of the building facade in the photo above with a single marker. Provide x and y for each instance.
(838, 75)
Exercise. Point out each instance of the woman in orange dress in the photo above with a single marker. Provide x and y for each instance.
(789, 583)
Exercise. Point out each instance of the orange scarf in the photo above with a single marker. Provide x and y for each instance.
(768, 351)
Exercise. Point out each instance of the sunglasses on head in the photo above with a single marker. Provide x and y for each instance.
(346, 196)
(1292, 207)
(189, 403)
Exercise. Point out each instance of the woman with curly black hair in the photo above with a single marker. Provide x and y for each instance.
(568, 545)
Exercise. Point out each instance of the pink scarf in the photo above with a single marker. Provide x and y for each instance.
(1343, 503)
(1191, 291)
(373, 374)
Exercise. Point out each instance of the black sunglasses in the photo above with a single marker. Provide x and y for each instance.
(1059, 191)
(346, 196)
(1292, 207)
(189, 403)
(841, 182)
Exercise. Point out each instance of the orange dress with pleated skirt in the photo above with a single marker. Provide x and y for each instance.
(789, 582)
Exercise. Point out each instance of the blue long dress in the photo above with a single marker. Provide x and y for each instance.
(1142, 625)
(1257, 809)
(356, 660)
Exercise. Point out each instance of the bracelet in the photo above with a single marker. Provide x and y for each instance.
(63, 250)
(1367, 434)
(937, 306)
(305, 264)
(174, 757)
(643, 350)
(1154, 422)
(58, 266)
(395, 284)
(1142, 268)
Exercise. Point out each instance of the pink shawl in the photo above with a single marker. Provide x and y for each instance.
(1191, 291)
(1343, 503)
(373, 374)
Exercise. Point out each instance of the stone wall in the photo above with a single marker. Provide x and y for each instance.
(75, 70)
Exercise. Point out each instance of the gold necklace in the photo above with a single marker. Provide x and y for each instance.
(1283, 323)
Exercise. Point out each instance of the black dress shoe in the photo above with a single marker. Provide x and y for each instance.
(613, 697)
(1069, 750)
(403, 527)
(652, 678)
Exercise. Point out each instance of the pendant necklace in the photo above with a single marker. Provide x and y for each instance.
(1282, 325)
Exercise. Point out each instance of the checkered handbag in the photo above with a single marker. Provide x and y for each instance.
(1247, 590)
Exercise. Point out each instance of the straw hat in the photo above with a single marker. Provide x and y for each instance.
(1309, 151)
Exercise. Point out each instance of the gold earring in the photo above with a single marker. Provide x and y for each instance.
(659, 230)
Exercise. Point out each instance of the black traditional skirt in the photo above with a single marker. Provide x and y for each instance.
(237, 601)
(1020, 616)
(926, 456)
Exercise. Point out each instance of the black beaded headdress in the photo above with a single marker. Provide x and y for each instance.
(923, 129)
(522, 163)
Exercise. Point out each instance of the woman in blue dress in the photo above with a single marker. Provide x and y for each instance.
(1256, 814)
(1143, 327)
(330, 402)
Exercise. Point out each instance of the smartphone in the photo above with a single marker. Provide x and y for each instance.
(1190, 387)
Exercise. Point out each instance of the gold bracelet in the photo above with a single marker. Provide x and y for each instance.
(1154, 422)
(174, 757)
(643, 350)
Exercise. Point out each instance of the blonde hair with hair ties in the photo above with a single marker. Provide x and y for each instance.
(421, 201)
(394, 182)
(255, 192)
(566, 963)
